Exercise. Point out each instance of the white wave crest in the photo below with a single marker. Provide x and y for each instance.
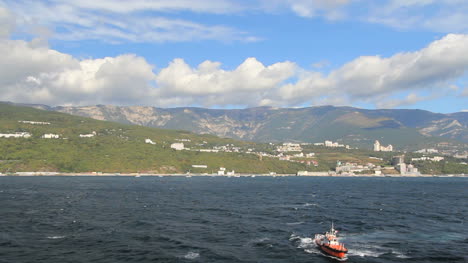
(295, 223)
(192, 255)
(55, 237)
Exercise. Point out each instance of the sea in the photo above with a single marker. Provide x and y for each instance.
(229, 219)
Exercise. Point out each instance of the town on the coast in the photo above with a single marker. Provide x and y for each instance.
(398, 163)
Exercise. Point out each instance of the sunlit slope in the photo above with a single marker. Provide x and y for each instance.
(115, 148)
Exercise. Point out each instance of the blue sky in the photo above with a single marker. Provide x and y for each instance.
(236, 54)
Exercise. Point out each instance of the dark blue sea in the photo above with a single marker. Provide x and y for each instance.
(221, 219)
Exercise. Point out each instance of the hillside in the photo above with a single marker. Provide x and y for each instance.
(405, 129)
(115, 147)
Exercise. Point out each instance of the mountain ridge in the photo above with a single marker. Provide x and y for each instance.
(351, 125)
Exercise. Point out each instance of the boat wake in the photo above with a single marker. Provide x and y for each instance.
(358, 250)
(376, 248)
(309, 246)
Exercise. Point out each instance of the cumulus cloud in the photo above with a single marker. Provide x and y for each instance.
(368, 78)
(210, 85)
(37, 74)
(441, 61)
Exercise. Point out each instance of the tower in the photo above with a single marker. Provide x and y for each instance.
(376, 146)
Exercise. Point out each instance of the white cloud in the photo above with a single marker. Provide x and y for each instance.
(330, 9)
(117, 6)
(157, 21)
(433, 15)
(210, 85)
(116, 21)
(410, 99)
(372, 78)
(441, 61)
(37, 74)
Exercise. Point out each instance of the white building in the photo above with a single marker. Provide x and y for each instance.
(15, 135)
(221, 171)
(149, 141)
(204, 166)
(425, 158)
(88, 135)
(178, 146)
(209, 150)
(333, 144)
(36, 122)
(289, 147)
(407, 169)
(427, 151)
(50, 136)
(380, 148)
(183, 140)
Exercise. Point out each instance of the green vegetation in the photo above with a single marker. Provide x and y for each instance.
(116, 148)
(121, 148)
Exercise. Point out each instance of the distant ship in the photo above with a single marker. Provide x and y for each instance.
(330, 245)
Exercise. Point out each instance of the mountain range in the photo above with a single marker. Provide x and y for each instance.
(404, 128)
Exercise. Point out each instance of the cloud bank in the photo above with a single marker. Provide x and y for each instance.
(34, 73)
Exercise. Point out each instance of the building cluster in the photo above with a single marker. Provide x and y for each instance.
(403, 168)
(228, 148)
(381, 148)
(351, 168)
(35, 122)
(15, 135)
(44, 136)
(289, 147)
(50, 136)
(222, 171)
(178, 146)
(183, 140)
(427, 151)
(407, 169)
(88, 135)
(331, 144)
(425, 158)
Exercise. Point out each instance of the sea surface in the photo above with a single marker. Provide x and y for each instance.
(221, 219)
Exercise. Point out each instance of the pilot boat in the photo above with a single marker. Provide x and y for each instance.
(329, 244)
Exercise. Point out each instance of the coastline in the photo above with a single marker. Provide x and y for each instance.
(22, 174)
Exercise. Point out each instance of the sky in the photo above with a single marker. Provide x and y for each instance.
(236, 53)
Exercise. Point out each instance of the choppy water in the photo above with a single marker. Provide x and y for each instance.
(206, 219)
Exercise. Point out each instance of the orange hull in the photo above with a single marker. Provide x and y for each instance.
(338, 254)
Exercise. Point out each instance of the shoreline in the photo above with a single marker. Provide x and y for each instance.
(22, 174)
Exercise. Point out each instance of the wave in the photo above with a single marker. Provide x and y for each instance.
(295, 223)
(55, 237)
(192, 255)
